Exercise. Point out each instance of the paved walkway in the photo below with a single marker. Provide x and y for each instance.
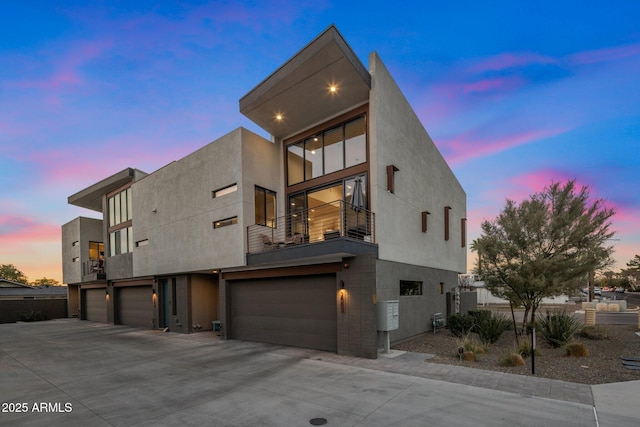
(70, 372)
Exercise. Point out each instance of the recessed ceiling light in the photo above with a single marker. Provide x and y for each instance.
(279, 117)
(333, 88)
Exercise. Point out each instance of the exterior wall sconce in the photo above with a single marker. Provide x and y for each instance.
(154, 298)
(346, 265)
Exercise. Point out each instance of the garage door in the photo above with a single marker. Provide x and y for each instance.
(135, 306)
(95, 305)
(293, 311)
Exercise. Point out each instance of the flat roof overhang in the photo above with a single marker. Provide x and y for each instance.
(91, 197)
(299, 89)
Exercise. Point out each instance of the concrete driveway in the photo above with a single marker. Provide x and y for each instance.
(71, 372)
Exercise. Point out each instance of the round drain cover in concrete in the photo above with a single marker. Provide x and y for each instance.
(318, 421)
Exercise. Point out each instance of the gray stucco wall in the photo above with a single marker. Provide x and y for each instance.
(83, 230)
(415, 312)
(424, 182)
(174, 210)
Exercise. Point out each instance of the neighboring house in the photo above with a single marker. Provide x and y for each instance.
(292, 240)
(485, 297)
(19, 299)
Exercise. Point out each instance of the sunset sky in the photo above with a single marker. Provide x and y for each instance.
(514, 96)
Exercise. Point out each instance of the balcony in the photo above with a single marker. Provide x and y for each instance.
(93, 271)
(333, 229)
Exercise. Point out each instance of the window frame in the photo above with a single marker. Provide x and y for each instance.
(265, 192)
(221, 223)
(341, 122)
(407, 283)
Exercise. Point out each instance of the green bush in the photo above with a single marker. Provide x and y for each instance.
(31, 316)
(460, 324)
(557, 328)
(490, 327)
(480, 316)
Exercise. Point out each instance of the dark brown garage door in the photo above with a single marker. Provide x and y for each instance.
(135, 306)
(95, 305)
(294, 311)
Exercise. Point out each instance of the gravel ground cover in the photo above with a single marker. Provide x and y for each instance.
(602, 365)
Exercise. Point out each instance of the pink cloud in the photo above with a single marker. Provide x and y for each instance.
(466, 147)
(16, 230)
(605, 54)
(495, 84)
(510, 60)
(65, 69)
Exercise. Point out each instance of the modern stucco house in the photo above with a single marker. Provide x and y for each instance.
(293, 240)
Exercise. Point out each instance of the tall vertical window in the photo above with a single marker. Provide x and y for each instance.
(120, 214)
(265, 201)
(355, 142)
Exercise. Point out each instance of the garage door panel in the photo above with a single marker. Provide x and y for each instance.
(135, 306)
(95, 308)
(290, 311)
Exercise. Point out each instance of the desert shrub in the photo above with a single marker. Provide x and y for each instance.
(469, 345)
(31, 316)
(524, 349)
(557, 329)
(512, 359)
(469, 356)
(460, 324)
(595, 333)
(490, 327)
(577, 349)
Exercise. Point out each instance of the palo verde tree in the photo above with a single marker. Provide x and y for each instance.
(544, 246)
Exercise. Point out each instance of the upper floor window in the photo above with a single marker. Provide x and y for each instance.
(121, 241)
(120, 207)
(225, 190)
(265, 201)
(329, 151)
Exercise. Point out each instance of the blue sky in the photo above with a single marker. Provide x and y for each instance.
(514, 95)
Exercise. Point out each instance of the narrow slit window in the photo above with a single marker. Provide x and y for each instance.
(224, 190)
(225, 222)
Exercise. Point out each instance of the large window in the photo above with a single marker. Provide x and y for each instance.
(120, 207)
(265, 201)
(120, 214)
(317, 212)
(121, 241)
(328, 151)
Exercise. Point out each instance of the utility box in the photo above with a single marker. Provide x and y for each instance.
(388, 315)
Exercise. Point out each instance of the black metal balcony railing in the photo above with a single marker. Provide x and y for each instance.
(329, 221)
(93, 266)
